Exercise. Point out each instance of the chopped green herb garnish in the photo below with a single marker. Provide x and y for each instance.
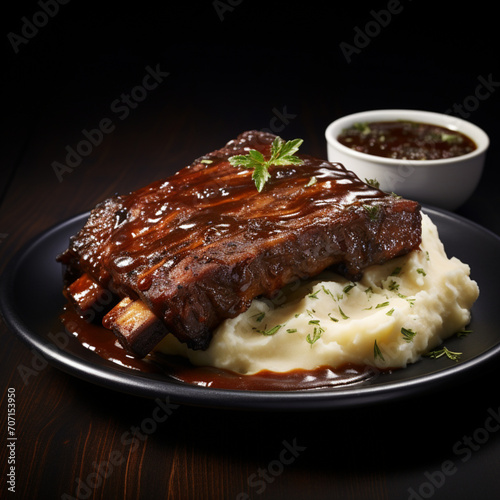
(451, 138)
(395, 271)
(333, 319)
(390, 312)
(382, 304)
(372, 211)
(348, 288)
(463, 333)
(344, 316)
(312, 181)
(438, 353)
(408, 334)
(271, 331)
(421, 271)
(373, 183)
(364, 128)
(410, 300)
(314, 295)
(282, 153)
(393, 285)
(377, 353)
(291, 330)
(315, 336)
(259, 316)
(328, 292)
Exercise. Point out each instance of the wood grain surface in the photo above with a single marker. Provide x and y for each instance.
(214, 71)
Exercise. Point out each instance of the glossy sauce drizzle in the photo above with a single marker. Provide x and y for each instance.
(104, 343)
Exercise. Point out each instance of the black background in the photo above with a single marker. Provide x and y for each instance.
(231, 63)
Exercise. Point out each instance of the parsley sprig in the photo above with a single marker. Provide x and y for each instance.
(282, 153)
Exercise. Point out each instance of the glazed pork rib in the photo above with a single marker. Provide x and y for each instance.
(184, 253)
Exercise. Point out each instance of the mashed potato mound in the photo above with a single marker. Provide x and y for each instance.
(397, 312)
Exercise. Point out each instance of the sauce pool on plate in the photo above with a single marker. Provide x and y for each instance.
(406, 140)
(104, 343)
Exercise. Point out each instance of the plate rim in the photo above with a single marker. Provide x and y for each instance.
(124, 380)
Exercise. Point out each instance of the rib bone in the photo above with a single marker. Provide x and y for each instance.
(89, 298)
(135, 326)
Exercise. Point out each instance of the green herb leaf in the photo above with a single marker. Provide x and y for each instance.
(395, 271)
(282, 153)
(362, 127)
(260, 176)
(373, 183)
(314, 295)
(463, 333)
(312, 181)
(343, 314)
(408, 334)
(315, 336)
(438, 353)
(377, 353)
(372, 211)
(328, 292)
(393, 285)
(271, 331)
(259, 316)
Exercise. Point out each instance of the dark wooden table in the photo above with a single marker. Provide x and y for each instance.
(142, 92)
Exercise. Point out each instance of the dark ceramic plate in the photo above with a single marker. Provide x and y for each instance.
(31, 301)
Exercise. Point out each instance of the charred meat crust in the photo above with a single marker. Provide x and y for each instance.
(198, 247)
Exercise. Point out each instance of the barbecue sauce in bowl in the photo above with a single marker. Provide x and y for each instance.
(104, 343)
(406, 140)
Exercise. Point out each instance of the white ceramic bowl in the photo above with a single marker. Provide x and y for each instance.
(445, 183)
